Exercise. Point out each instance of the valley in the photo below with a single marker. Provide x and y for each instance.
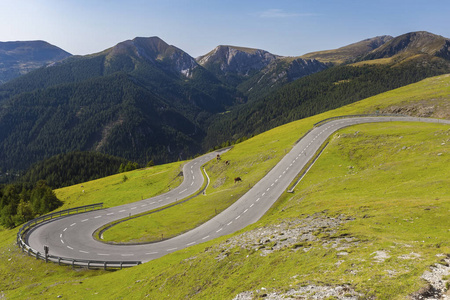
(380, 156)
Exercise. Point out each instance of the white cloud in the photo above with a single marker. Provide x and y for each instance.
(279, 13)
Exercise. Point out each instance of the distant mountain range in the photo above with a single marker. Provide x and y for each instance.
(18, 58)
(146, 100)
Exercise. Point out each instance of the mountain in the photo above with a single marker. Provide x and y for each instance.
(18, 58)
(396, 62)
(141, 99)
(144, 99)
(254, 71)
(349, 53)
(235, 64)
(411, 45)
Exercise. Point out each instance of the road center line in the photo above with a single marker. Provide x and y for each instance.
(84, 220)
(171, 249)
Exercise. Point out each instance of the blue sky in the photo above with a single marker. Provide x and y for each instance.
(283, 27)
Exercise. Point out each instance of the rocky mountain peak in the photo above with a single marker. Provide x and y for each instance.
(236, 60)
(156, 51)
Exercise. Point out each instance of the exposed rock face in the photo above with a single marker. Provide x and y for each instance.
(18, 58)
(236, 60)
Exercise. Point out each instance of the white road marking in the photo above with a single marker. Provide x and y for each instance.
(245, 211)
(143, 205)
(238, 217)
(252, 204)
(83, 251)
(73, 224)
(130, 254)
(97, 217)
(229, 223)
(155, 202)
(262, 195)
(268, 189)
(133, 208)
(204, 238)
(69, 247)
(62, 241)
(60, 236)
(193, 177)
(171, 249)
(122, 210)
(84, 220)
(182, 191)
(109, 214)
(192, 183)
(104, 254)
(150, 253)
(190, 244)
(65, 229)
(257, 199)
(272, 184)
(219, 230)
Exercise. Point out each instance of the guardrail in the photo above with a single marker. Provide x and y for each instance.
(357, 116)
(90, 264)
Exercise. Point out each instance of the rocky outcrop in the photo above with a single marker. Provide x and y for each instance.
(240, 61)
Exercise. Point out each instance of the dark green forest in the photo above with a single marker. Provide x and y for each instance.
(20, 203)
(72, 168)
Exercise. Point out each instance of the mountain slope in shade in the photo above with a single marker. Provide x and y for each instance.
(18, 58)
(349, 53)
(278, 73)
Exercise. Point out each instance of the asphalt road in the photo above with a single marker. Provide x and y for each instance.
(72, 236)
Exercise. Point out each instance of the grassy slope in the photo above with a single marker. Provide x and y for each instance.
(175, 276)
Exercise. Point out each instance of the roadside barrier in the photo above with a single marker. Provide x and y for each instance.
(90, 264)
(357, 116)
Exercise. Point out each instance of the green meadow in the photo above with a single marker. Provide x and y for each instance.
(390, 181)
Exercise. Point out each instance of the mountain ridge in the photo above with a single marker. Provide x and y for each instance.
(20, 57)
(144, 99)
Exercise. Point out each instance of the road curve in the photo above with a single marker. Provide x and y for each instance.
(71, 236)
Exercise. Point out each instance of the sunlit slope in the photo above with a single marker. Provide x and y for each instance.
(394, 221)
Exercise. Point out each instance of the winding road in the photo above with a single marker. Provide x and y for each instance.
(71, 236)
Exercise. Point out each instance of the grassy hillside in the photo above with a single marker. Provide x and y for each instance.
(371, 214)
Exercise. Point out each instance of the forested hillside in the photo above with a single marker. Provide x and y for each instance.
(144, 100)
(317, 93)
(73, 168)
